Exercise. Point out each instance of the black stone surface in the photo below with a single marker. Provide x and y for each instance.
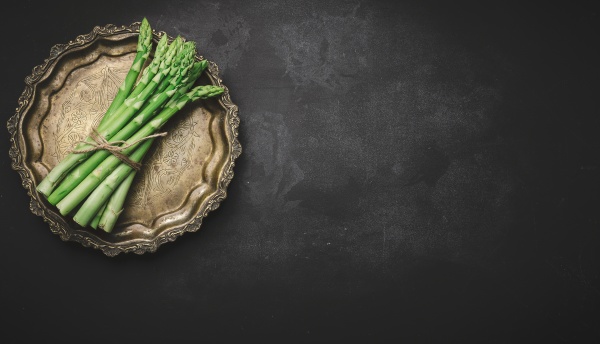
(415, 172)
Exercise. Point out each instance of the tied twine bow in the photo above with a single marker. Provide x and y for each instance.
(115, 147)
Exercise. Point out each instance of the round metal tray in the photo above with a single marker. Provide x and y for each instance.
(183, 177)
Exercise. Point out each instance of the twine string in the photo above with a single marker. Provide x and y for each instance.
(115, 147)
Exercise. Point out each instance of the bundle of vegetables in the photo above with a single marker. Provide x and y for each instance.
(91, 183)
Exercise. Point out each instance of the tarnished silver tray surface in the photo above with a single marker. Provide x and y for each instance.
(184, 176)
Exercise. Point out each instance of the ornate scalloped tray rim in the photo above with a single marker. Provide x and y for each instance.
(81, 236)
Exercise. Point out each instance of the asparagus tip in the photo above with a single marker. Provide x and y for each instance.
(145, 39)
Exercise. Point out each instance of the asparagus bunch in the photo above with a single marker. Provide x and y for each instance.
(93, 183)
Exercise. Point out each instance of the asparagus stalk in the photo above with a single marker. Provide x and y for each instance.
(101, 183)
(96, 220)
(144, 47)
(82, 170)
(108, 165)
(120, 118)
(114, 206)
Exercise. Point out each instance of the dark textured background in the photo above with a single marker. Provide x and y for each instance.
(420, 170)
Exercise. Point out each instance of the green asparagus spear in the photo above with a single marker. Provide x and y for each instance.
(114, 206)
(96, 220)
